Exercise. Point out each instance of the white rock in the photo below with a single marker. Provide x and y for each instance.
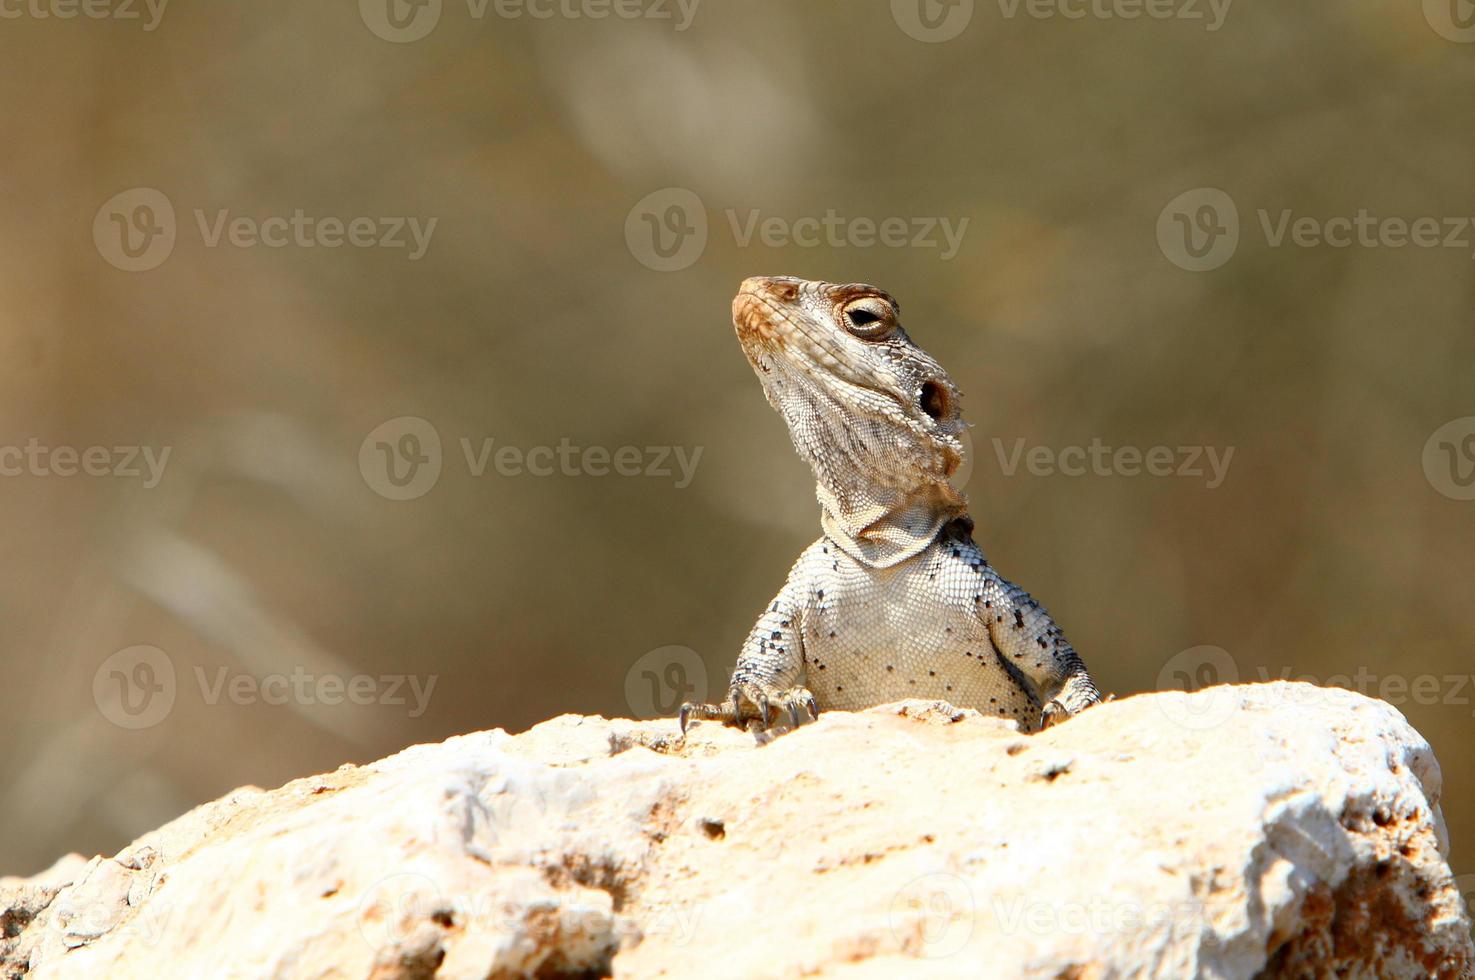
(1275, 828)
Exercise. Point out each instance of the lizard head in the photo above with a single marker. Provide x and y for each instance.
(874, 415)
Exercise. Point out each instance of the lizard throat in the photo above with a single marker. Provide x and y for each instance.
(885, 534)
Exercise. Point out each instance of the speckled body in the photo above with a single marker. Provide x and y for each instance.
(918, 629)
(895, 600)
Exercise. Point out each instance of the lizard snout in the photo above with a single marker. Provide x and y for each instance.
(781, 289)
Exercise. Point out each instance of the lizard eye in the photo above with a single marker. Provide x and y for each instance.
(933, 399)
(869, 317)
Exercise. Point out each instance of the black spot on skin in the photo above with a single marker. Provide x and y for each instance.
(1018, 620)
(1041, 641)
(775, 635)
(832, 634)
(839, 687)
(889, 668)
(931, 673)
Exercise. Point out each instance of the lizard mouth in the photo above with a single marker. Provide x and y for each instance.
(769, 332)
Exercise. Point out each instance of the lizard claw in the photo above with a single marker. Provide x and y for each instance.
(748, 706)
(1053, 714)
(1069, 704)
(793, 706)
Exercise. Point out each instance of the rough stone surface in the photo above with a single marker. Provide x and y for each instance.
(1265, 830)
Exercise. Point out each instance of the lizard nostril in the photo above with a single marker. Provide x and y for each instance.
(786, 291)
(933, 400)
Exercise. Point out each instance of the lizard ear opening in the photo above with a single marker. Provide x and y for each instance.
(933, 399)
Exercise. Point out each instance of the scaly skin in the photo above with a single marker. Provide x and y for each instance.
(895, 600)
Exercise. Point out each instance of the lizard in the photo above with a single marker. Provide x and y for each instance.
(895, 600)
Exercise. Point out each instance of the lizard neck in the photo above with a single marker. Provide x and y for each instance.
(884, 532)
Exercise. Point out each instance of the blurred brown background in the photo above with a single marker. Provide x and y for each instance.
(544, 149)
